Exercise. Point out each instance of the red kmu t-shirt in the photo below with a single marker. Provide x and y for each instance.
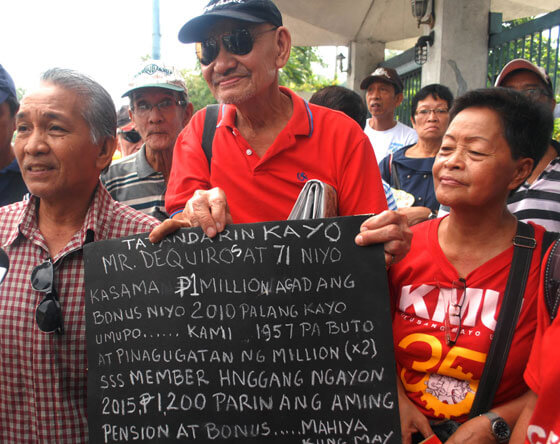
(442, 380)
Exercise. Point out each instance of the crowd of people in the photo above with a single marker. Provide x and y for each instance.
(456, 201)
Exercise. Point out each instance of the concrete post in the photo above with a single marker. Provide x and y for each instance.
(363, 58)
(459, 55)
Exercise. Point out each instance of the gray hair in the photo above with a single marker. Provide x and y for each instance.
(98, 109)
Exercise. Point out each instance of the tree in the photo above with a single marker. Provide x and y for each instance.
(199, 93)
(298, 73)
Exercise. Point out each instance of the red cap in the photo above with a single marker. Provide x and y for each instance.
(518, 64)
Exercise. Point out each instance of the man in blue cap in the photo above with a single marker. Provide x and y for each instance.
(268, 142)
(12, 186)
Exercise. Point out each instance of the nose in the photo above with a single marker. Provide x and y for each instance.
(155, 115)
(225, 61)
(432, 116)
(454, 160)
(33, 144)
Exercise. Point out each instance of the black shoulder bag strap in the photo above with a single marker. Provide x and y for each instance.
(210, 122)
(524, 245)
(552, 281)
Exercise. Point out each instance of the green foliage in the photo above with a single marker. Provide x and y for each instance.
(298, 73)
(199, 93)
(20, 93)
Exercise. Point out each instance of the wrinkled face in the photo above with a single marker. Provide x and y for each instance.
(237, 78)
(159, 127)
(53, 146)
(431, 118)
(474, 166)
(530, 84)
(7, 127)
(381, 99)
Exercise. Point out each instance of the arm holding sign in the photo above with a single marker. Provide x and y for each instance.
(207, 209)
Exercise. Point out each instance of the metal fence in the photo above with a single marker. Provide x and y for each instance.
(412, 82)
(535, 40)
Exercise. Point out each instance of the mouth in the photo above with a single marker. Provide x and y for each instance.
(228, 81)
(37, 168)
(157, 133)
(450, 181)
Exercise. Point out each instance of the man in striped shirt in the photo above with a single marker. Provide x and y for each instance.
(159, 109)
(538, 199)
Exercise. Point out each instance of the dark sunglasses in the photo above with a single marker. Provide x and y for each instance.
(239, 42)
(131, 136)
(48, 313)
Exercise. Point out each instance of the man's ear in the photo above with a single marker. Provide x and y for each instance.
(106, 151)
(399, 98)
(284, 45)
(189, 110)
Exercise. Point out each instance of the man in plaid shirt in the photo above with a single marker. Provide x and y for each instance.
(65, 138)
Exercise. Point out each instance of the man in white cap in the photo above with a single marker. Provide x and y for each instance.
(538, 199)
(383, 95)
(159, 109)
(268, 141)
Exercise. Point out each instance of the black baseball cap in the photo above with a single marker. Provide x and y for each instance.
(7, 87)
(254, 11)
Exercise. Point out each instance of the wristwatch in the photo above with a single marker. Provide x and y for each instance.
(500, 428)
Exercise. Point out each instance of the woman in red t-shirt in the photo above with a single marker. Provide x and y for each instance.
(447, 292)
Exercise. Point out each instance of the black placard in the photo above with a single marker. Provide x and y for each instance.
(276, 332)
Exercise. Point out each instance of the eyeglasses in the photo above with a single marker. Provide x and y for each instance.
(534, 93)
(427, 112)
(48, 313)
(239, 42)
(131, 136)
(453, 320)
(142, 108)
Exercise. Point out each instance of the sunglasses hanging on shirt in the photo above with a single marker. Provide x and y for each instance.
(48, 313)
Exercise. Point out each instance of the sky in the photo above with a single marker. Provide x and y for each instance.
(102, 38)
(105, 39)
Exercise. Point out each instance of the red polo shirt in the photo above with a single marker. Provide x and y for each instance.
(317, 143)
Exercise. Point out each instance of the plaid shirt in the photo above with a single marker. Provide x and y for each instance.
(43, 377)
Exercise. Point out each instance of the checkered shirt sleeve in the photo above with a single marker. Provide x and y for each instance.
(43, 377)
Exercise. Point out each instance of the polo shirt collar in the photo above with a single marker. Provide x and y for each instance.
(97, 223)
(300, 124)
(143, 168)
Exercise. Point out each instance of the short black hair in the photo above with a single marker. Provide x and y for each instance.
(342, 99)
(13, 104)
(435, 90)
(527, 125)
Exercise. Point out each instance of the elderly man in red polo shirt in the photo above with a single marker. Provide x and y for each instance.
(268, 141)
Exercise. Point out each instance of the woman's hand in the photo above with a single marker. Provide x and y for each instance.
(412, 419)
(389, 228)
(476, 430)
